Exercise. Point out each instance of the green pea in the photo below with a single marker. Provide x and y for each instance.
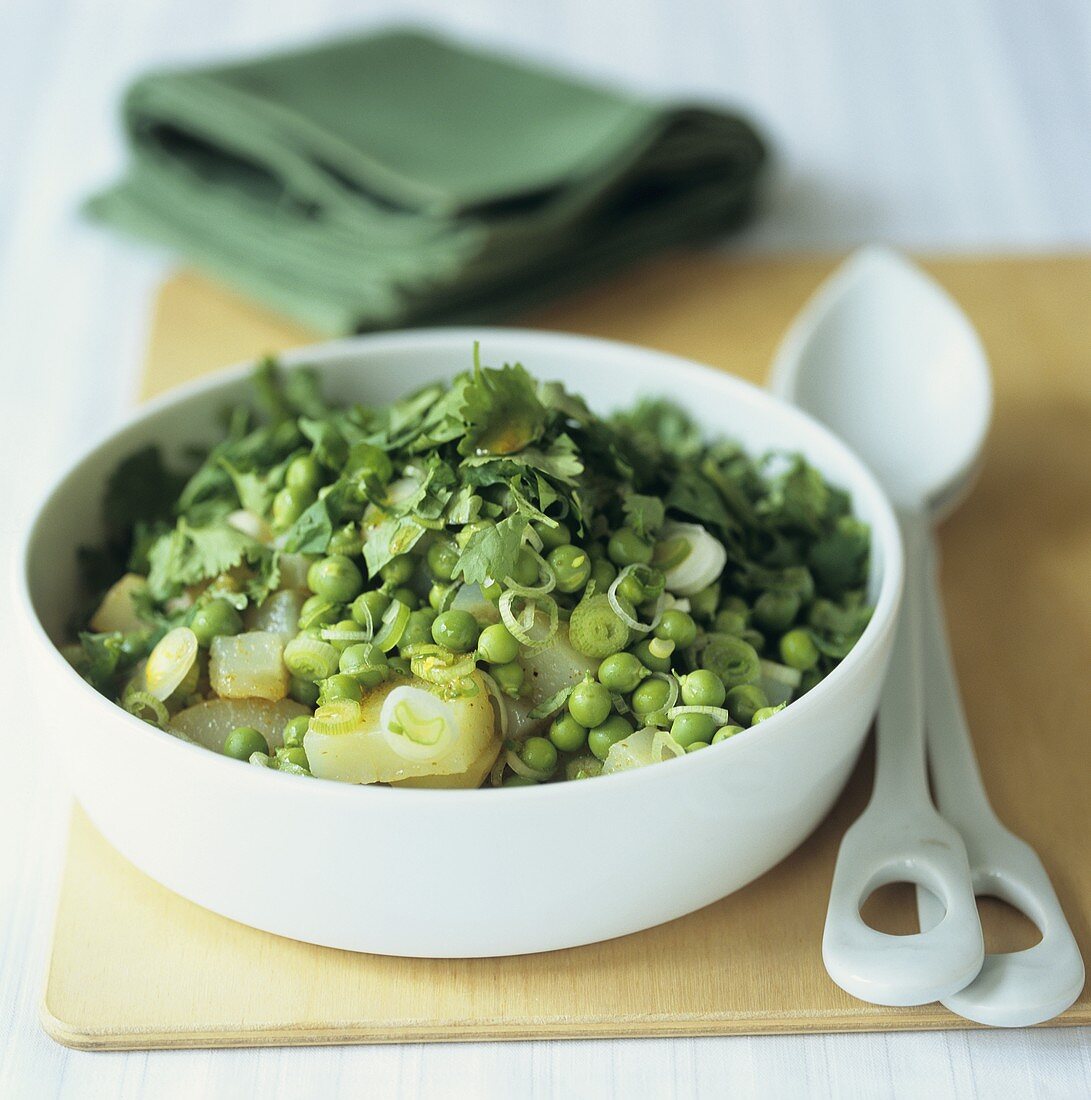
(367, 460)
(678, 627)
(440, 595)
(703, 688)
(366, 663)
(508, 677)
(296, 755)
(418, 628)
(368, 608)
(810, 679)
(345, 626)
(797, 650)
(496, 645)
(621, 672)
(492, 590)
(540, 754)
(776, 611)
(318, 611)
(645, 653)
(469, 530)
(519, 781)
(346, 541)
(442, 559)
(400, 665)
(626, 547)
(602, 573)
(762, 713)
(629, 588)
(671, 552)
(724, 732)
(571, 566)
(303, 473)
(338, 687)
(295, 729)
(134, 647)
(526, 569)
(583, 767)
(407, 596)
(744, 701)
(398, 570)
(703, 604)
(552, 537)
(567, 734)
(736, 604)
(335, 578)
(288, 505)
(217, 617)
(731, 622)
(590, 703)
(650, 696)
(243, 741)
(607, 734)
(692, 726)
(303, 691)
(695, 745)
(457, 630)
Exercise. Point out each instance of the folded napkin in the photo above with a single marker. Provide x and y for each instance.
(399, 178)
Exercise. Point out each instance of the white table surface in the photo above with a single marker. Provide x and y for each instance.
(935, 124)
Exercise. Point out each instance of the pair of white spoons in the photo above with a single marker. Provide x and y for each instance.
(883, 356)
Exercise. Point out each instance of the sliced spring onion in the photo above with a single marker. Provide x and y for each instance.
(618, 608)
(701, 566)
(442, 666)
(525, 622)
(781, 674)
(720, 715)
(394, 621)
(417, 724)
(333, 634)
(170, 662)
(310, 659)
(144, 705)
(521, 767)
(340, 716)
(499, 707)
(545, 574)
(554, 703)
(664, 745)
(661, 648)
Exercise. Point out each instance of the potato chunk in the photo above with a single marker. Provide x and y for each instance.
(406, 729)
(117, 611)
(209, 723)
(248, 666)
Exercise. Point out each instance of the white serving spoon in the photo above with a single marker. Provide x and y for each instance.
(885, 357)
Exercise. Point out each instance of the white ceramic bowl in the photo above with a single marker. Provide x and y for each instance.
(456, 873)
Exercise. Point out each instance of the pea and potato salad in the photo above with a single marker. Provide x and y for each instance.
(482, 583)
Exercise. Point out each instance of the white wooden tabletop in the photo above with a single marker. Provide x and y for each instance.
(938, 125)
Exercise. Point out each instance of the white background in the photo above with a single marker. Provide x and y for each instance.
(940, 124)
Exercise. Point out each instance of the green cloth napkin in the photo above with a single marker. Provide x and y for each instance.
(399, 179)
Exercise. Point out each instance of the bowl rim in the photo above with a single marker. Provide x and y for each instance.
(884, 527)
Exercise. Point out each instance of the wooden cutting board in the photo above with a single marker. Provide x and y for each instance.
(135, 966)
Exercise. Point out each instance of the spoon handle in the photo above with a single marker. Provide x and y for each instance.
(900, 837)
(1022, 987)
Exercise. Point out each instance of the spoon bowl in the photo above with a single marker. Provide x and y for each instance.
(886, 358)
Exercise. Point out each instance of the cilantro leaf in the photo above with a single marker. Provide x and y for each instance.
(311, 533)
(491, 552)
(189, 555)
(501, 411)
(644, 514)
